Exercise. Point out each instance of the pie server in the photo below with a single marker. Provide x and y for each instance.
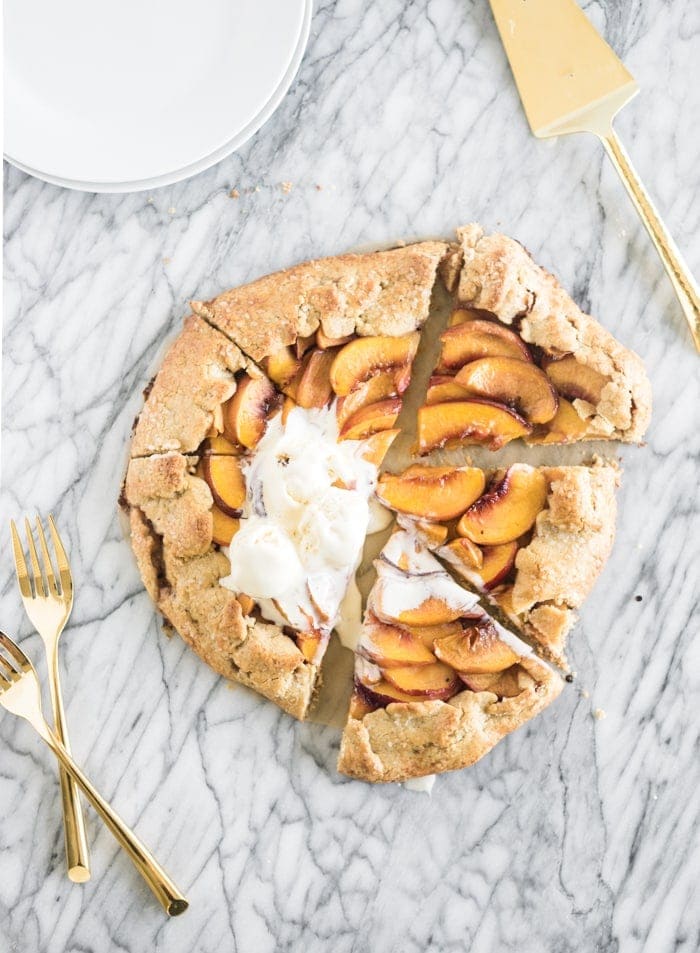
(570, 80)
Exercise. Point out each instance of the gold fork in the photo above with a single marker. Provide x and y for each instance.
(48, 605)
(20, 694)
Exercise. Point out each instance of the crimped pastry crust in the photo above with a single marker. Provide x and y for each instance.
(171, 535)
(410, 740)
(195, 378)
(495, 273)
(381, 293)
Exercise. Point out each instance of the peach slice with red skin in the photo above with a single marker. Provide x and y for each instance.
(497, 563)
(377, 388)
(565, 427)
(468, 421)
(371, 419)
(476, 649)
(431, 493)
(443, 388)
(512, 382)
(282, 367)
(575, 380)
(391, 645)
(362, 358)
(382, 693)
(505, 684)
(226, 482)
(433, 611)
(427, 681)
(360, 704)
(224, 527)
(474, 339)
(376, 446)
(465, 554)
(313, 388)
(508, 509)
(220, 446)
(247, 412)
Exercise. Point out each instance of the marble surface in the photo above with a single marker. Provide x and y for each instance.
(576, 833)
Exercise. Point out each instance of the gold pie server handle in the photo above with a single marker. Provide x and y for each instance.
(682, 280)
(168, 895)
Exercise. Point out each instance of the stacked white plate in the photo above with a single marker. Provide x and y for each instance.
(123, 95)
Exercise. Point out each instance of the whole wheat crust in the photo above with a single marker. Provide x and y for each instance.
(495, 273)
(410, 740)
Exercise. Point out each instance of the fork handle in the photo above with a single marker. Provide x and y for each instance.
(168, 895)
(77, 853)
(678, 271)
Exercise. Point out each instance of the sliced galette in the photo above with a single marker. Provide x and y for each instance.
(251, 485)
(520, 359)
(533, 539)
(438, 682)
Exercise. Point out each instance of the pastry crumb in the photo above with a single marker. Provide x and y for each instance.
(599, 714)
(172, 210)
(257, 188)
(287, 187)
(234, 194)
(585, 693)
(150, 200)
(166, 261)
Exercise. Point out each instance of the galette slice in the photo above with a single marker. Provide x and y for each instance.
(437, 681)
(337, 332)
(248, 513)
(520, 359)
(534, 539)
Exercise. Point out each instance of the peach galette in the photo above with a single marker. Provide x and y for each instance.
(438, 682)
(254, 478)
(250, 485)
(520, 359)
(533, 540)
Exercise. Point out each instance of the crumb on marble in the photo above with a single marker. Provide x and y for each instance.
(257, 188)
(599, 714)
(585, 693)
(166, 261)
(286, 187)
(172, 210)
(234, 194)
(319, 188)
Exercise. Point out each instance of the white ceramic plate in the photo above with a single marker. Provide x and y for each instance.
(176, 85)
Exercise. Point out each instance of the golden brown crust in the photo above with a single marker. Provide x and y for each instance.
(171, 535)
(499, 276)
(384, 292)
(195, 378)
(405, 741)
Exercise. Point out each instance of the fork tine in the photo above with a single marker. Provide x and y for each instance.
(15, 651)
(4, 683)
(39, 587)
(61, 559)
(10, 673)
(48, 566)
(25, 586)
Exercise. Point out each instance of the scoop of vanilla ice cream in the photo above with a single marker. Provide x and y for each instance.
(332, 529)
(264, 561)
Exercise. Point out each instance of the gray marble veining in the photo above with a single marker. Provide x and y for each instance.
(575, 834)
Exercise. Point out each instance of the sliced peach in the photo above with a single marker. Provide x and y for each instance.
(428, 681)
(287, 407)
(461, 315)
(474, 339)
(282, 366)
(512, 382)
(362, 358)
(247, 604)
(429, 633)
(505, 684)
(498, 562)
(302, 345)
(443, 388)
(314, 386)
(432, 493)
(324, 342)
(309, 643)
(477, 649)
(247, 412)
(391, 645)
(376, 446)
(432, 611)
(224, 528)
(565, 427)
(465, 554)
(360, 705)
(508, 509)
(468, 421)
(226, 482)
(432, 534)
(381, 693)
(574, 380)
(221, 446)
(372, 391)
(371, 419)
